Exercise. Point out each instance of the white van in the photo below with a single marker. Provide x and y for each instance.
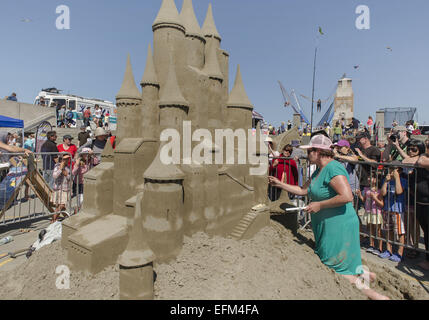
(78, 104)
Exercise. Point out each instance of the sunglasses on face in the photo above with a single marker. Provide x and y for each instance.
(413, 149)
(311, 150)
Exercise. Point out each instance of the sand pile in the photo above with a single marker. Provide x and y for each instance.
(36, 279)
(273, 265)
(270, 266)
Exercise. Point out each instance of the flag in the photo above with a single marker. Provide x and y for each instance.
(320, 31)
(41, 133)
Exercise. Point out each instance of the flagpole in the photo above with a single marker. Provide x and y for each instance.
(312, 94)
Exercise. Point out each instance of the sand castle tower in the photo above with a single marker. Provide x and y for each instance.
(344, 101)
(184, 88)
(136, 262)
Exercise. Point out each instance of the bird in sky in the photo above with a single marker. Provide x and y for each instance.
(320, 31)
(356, 67)
(26, 20)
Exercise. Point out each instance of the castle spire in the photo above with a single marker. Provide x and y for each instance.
(168, 16)
(209, 28)
(211, 68)
(137, 252)
(189, 20)
(163, 172)
(238, 96)
(149, 76)
(129, 89)
(170, 94)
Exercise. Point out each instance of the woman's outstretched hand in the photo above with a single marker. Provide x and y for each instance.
(313, 207)
(274, 181)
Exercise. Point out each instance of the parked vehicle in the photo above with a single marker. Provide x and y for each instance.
(78, 104)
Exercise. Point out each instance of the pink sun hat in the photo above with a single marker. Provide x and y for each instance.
(319, 142)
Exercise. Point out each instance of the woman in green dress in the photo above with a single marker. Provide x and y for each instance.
(334, 220)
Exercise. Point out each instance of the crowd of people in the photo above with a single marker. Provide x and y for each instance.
(63, 164)
(66, 118)
(340, 128)
(387, 183)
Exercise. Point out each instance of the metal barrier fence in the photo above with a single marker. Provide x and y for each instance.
(31, 188)
(391, 220)
(39, 186)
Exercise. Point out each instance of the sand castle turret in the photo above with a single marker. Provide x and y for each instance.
(239, 106)
(211, 67)
(168, 39)
(184, 87)
(136, 262)
(173, 106)
(128, 100)
(212, 36)
(162, 208)
(195, 41)
(150, 79)
(209, 27)
(128, 95)
(216, 102)
(150, 96)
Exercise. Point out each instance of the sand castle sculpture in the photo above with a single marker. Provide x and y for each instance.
(138, 209)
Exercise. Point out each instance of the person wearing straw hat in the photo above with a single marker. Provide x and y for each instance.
(333, 218)
(271, 152)
(97, 145)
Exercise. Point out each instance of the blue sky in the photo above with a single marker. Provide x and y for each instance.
(271, 40)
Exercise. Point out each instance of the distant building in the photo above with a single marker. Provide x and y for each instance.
(344, 101)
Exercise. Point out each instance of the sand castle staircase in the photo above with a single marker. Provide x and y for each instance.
(251, 223)
(243, 225)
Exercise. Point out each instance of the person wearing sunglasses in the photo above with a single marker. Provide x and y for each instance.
(334, 221)
(415, 151)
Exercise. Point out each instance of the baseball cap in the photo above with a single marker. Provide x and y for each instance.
(342, 143)
(361, 135)
(319, 142)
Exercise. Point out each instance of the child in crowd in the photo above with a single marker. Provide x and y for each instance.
(394, 190)
(373, 203)
(82, 165)
(61, 176)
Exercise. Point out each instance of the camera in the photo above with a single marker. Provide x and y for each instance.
(394, 137)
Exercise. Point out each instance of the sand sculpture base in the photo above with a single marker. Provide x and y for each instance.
(98, 244)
